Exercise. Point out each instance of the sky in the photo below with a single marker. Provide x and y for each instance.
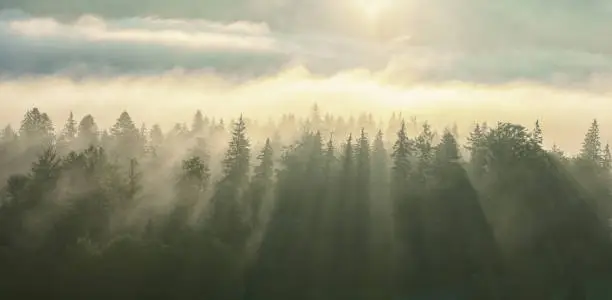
(444, 60)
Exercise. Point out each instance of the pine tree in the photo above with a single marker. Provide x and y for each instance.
(70, 129)
(591, 146)
(127, 139)
(362, 155)
(557, 151)
(537, 134)
(360, 219)
(448, 150)
(425, 151)
(8, 134)
(36, 126)
(197, 126)
(476, 144)
(330, 158)
(348, 161)
(262, 182)
(190, 186)
(380, 167)
(87, 132)
(236, 162)
(228, 219)
(458, 240)
(402, 151)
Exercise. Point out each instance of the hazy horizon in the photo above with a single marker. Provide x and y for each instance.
(162, 66)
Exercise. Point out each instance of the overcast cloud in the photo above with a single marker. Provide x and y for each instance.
(550, 42)
(503, 59)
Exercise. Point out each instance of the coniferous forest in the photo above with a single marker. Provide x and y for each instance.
(322, 207)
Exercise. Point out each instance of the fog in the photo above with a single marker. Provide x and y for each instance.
(174, 97)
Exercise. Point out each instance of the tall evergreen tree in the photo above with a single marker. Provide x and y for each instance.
(478, 153)
(425, 153)
(261, 184)
(87, 132)
(591, 146)
(228, 219)
(537, 134)
(190, 186)
(402, 152)
(460, 244)
(126, 137)
(36, 126)
(70, 129)
(197, 126)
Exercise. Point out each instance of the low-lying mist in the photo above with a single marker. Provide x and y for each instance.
(174, 96)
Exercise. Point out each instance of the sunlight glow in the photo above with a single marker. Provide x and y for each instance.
(373, 9)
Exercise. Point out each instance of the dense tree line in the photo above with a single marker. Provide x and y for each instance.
(347, 210)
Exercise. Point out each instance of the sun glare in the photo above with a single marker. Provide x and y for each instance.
(373, 8)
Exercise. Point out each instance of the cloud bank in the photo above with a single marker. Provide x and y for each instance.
(462, 48)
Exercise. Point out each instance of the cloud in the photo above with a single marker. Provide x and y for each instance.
(201, 35)
(415, 41)
(91, 45)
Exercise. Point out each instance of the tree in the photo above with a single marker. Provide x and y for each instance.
(459, 243)
(197, 126)
(537, 134)
(87, 132)
(70, 129)
(8, 134)
(425, 152)
(36, 126)
(557, 151)
(237, 157)
(407, 214)
(402, 151)
(126, 137)
(261, 184)
(381, 225)
(228, 219)
(478, 152)
(190, 187)
(591, 146)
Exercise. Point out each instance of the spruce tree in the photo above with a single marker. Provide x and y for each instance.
(591, 146)
(36, 127)
(127, 139)
(190, 186)
(70, 129)
(229, 209)
(537, 134)
(87, 132)
(197, 126)
(402, 151)
(261, 184)
(476, 145)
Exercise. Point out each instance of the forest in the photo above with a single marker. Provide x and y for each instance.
(301, 208)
